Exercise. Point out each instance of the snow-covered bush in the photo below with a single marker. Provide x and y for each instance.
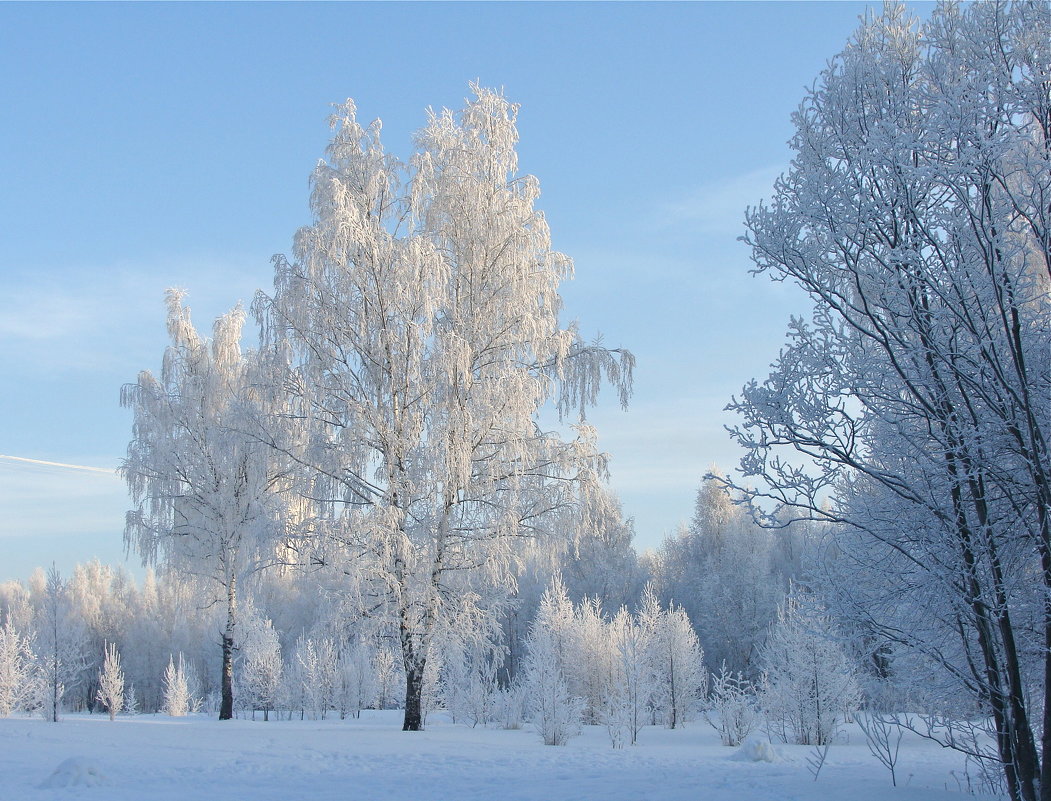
(357, 680)
(757, 749)
(111, 682)
(179, 700)
(261, 667)
(555, 713)
(18, 686)
(318, 671)
(631, 677)
(131, 701)
(470, 684)
(732, 706)
(510, 706)
(388, 675)
(810, 684)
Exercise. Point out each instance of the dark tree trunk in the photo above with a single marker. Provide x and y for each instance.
(413, 698)
(226, 707)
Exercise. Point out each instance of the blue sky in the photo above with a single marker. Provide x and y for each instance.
(152, 145)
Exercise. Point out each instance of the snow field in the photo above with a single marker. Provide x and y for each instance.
(156, 757)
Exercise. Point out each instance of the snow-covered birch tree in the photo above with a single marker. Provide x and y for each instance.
(916, 216)
(178, 698)
(415, 336)
(554, 711)
(110, 692)
(204, 488)
(680, 677)
(811, 685)
(61, 645)
(261, 666)
(18, 685)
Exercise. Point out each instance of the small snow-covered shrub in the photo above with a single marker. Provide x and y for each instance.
(732, 706)
(317, 663)
(357, 680)
(680, 680)
(470, 687)
(178, 700)
(111, 682)
(510, 706)
(131, 701)
(261, 666)
(556, 715)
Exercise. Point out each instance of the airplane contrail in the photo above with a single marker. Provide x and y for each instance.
(60, 464)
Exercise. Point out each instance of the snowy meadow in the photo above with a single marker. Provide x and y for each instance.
(185, 759)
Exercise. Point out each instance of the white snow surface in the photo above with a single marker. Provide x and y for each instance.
(75, 772)
(183, 759)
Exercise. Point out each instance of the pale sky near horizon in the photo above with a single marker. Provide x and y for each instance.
(147, 145)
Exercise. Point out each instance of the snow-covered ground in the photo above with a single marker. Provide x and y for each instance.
(153, 757)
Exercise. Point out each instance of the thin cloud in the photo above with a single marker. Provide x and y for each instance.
(36, 317)
(718, 207)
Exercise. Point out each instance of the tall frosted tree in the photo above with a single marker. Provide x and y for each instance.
(916, 215)
(205, 488)
(415, 336)
(719, 570)
(60, 644)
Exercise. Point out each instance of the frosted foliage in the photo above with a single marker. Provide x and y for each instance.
(553, 711)
(720, 570)
(261, 667)
(510, 706)
(732, 706)
(61, 642)
(131, 701)
(111, 682)
(203, 482)
(811, 685)
(621, 672)
(359, 688)
(385, 667)
(679, 675)
(414, 338)
(317, 666)
(471, 663)
(14, 606)
(17, 682)
(631, 678)
(178, 700)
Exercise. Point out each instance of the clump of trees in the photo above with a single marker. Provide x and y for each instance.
(912, 409)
